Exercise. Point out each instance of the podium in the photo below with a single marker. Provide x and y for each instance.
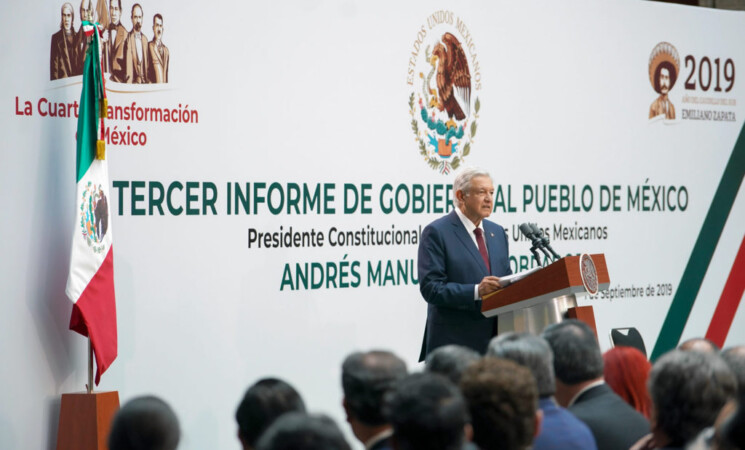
(548, 295)
(85, 420)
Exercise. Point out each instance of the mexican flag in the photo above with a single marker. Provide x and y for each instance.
(90, 284)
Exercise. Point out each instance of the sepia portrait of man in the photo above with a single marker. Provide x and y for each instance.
(136, 59)
(63, 61)
(663, 72)
(114, 38)
(158, 53)
(87, 12)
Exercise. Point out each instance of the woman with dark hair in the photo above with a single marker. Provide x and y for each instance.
(626, 370)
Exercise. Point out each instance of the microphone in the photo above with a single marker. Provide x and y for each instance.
(535, 239)
(545, 243)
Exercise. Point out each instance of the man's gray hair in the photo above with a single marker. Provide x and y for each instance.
(451, 361)
(463, 181)
(577, 356)
(530, 351)
(688, 390)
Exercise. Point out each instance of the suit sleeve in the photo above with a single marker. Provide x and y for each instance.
(433, 275)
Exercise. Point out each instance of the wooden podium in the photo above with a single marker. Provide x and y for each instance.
(545, 296)
(85, 420)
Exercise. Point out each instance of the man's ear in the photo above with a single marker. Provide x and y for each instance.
(346, 409)
(538, 422)
(243, 441)
(468, 431)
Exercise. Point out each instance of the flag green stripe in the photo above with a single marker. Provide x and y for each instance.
(89, 109)
(703, 250)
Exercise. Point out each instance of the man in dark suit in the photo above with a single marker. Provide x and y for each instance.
(64, 54)
(460, 259)
(365, 378)
(578, 366)
(136, 58)
(560, 429)
(115, 36)
(158, 70)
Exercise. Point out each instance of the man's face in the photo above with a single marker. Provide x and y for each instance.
(115, 12)
(664, 81)
(67, 18)
(137, 19)
(157, 28)
(478, 202)
(86, 11)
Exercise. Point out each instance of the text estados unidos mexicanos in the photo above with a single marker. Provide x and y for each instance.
(139, 198)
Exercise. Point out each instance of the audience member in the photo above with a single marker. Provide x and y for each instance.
(365, 378)
(699, 345)
(730, 426)
(560, 429)
(735, 359)
(144, 423)
(688, 390)
(578, 367)
(451, 360)
(427, 412)
(502, 400)
(626, 370)
(302, 431)
(263, 403)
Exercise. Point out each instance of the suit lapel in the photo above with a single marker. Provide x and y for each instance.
(462, 234)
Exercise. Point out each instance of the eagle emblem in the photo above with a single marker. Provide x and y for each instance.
(443, 116)
(94, 216)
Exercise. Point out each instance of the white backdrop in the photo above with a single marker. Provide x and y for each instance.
(316, 93)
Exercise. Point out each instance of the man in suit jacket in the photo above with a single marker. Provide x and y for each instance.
(560, 429)
(64, 53)
(578, 366)
(460, 258)
(158, 71)
(136, 56)
(115, 35)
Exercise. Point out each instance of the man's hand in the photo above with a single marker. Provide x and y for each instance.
(488, 285)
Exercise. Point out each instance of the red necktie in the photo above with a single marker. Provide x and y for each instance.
(482, 247)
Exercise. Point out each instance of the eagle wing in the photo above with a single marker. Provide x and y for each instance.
(460, 76)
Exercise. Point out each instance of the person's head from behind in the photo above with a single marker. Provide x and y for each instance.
(577, 355)
(451, 361)
(688, 390)
(365, 378)
(735, 359)
(502, 399)
(530, 351)
(302, 431)
(144, 423)
(427, 412)
(626, 370)
(262, 404)
(699, 344)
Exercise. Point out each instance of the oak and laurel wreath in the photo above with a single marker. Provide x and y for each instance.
(433, 162)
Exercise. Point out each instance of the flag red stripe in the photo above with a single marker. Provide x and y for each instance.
(729, 301)
(94, 315)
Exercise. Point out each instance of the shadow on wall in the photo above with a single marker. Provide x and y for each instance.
(49, 263)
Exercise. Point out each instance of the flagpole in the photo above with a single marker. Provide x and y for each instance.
(90, 366)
